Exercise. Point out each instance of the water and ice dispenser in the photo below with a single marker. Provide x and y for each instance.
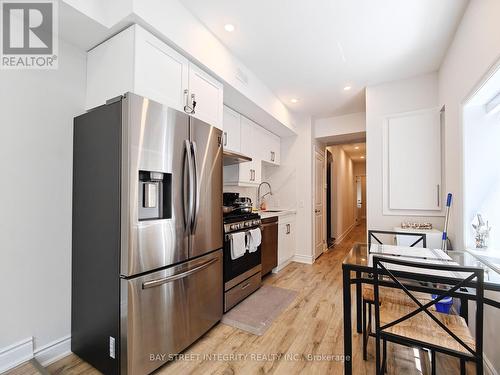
(155, 197)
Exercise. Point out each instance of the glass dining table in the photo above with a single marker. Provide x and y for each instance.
(356, 268)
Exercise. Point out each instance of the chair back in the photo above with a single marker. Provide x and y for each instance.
(442, 280)
(376, 235)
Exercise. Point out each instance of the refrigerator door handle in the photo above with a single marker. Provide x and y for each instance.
(188, 211)
(196, 185)
(181, 275)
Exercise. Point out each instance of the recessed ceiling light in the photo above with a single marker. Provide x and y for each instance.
(229, 27)
(356, 148)
(294, 100)
(347, 88)
(362, 157)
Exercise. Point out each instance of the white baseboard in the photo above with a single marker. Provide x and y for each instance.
(53, 351)
(15, 354)
(282, 265)
(345, 234)
(488, 367)
(22, 351)
(307, 259)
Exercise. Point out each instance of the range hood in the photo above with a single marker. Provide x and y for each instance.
(231, 157)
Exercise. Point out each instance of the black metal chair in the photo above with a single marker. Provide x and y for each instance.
(421, 237)
(412, 326)
(367, 299)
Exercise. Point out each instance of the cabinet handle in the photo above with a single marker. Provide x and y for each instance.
(288, 229)
(253, 174)
(225, 138)
(193, 103)
(438, 203)
(189, 109)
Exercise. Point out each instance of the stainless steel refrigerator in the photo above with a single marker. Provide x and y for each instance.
(147, 234)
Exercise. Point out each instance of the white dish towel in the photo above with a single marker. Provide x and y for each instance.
(238, 246)
(254, 239)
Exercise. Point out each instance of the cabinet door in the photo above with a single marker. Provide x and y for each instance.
(268, 146)
(161, 73)
(291, 238)
(232, 131)
(247, 136)
(275, 148)
(286, 244)
(413, 148)
(250, 172)
(208, 93)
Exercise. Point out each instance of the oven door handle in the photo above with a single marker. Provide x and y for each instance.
(181, 275)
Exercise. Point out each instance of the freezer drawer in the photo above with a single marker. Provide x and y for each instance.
(166, 311)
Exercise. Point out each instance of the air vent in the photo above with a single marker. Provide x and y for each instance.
(241, 76)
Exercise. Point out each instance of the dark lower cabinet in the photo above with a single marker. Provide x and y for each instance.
(269, 246)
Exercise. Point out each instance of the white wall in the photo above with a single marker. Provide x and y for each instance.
(475, 48)
(359, 168)
(338, 125)
(382, 100)
(343, 194)
(291, 183)
(36, 129)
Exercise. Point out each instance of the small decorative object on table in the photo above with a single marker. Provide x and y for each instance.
(415, 225)
(481, 231)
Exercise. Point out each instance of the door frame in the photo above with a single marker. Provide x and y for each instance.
(322, 152)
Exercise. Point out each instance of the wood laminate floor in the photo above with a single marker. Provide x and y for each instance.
(305, 339)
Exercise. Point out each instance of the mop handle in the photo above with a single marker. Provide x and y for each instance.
(444, 243)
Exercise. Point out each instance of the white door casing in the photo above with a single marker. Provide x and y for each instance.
(319, 190)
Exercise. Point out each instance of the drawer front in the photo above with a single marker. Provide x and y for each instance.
(241, 291)
(168, 310)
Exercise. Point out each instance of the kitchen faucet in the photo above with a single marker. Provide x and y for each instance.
(259, 198)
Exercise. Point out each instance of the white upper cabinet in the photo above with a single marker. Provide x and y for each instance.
(268, 146)
(160, 72)
(249, 138)
(208, 94)
(135, 60)
(247, 173)
(412, 152)
(232, 130)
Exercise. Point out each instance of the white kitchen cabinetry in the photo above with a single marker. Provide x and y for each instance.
(243, 174)
(412, 165)
(208, 94)
(135, 60)
(248, 173)
(232, 130)
(286, 240)
(268, 146)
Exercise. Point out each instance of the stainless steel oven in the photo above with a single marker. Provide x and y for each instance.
(242, 276)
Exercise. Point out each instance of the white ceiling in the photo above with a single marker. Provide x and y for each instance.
(356, 151)
(311, 50)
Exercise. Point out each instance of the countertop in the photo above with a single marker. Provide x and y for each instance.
(269, 213)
